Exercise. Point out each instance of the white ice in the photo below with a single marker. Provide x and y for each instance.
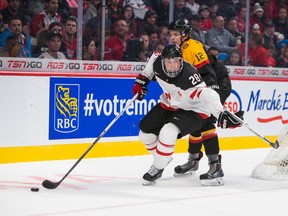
(113, 186)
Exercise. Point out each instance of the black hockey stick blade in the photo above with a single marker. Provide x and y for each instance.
(52, 185)
(274, 145)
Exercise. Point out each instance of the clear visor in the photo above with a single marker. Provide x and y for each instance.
(172, 66)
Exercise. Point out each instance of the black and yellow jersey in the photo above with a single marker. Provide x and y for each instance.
(194, 53)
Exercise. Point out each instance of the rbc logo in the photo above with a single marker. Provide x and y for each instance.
(66, 107)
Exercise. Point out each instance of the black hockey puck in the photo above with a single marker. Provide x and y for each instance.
(34, 189)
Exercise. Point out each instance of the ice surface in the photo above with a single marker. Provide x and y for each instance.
(113, 186)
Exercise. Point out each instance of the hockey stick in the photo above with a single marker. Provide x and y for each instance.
(274, 145)
(52, 185)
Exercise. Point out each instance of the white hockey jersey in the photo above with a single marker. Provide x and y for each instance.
(187, 91)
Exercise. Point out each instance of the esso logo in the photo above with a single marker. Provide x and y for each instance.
(232, 106)
(233, 102)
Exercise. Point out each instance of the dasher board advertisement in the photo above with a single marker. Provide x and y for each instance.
(83, 107)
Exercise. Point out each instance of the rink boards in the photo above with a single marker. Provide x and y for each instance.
(51, 116)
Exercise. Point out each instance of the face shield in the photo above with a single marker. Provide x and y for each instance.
(172, 66)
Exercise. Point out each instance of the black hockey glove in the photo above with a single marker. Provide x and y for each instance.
(140, 86)
(240, 115)
(226, 120)
(215, 87)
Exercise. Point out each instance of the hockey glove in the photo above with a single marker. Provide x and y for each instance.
(240, 114)
(225, 120)
(140, 86)
(215, 87)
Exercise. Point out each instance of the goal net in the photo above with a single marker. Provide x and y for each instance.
(275, 165)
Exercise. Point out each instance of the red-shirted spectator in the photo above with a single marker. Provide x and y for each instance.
(3, 4)
(241, 19)
(257, 55)
(271, 53)
(45, 18)
(258, 17)
(270, 8)
(116, 45)
(69, 37)
(206, 22)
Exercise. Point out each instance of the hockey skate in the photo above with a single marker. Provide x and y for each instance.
(152, 174)
(189, 167)
(214, 175)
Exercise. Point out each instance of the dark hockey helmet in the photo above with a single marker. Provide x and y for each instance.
(181, 25)
(171, 51)
(172, 62)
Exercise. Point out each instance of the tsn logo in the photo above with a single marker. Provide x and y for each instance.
(24, 64)
(268, 72)
(91, 66)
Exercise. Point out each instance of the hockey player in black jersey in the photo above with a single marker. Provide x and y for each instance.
(185, 105)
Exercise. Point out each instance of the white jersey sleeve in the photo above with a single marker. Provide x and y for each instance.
(202, 100)
(212, 102)
(148, 70)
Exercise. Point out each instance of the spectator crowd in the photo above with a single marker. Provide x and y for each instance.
(136, 28)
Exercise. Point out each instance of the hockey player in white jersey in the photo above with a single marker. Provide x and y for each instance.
(185, 104)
